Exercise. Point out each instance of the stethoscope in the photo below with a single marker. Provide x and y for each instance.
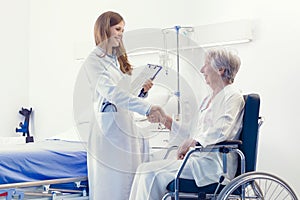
(113, 107)
(106, 105)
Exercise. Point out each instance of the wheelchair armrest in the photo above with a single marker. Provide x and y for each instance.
(226, 143)
(230, 142)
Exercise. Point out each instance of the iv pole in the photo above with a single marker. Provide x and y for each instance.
(177, 93)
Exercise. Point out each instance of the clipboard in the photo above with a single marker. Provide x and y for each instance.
(150, 71)
(155, 68)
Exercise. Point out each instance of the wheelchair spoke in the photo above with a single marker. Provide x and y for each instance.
(259, 186)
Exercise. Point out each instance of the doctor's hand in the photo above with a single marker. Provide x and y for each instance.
(156, 115)
(184, 148)
(147, 85)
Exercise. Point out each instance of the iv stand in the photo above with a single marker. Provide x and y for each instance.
(177, 93)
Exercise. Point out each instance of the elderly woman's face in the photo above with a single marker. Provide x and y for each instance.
(116, 34)
(211, 74)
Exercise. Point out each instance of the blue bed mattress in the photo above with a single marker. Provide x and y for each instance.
(44, 160)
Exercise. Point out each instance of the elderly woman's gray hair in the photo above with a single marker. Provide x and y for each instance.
(223, 59)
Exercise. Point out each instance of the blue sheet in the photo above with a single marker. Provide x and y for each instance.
(44, 160)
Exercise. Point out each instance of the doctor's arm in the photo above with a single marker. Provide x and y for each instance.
(115, 94)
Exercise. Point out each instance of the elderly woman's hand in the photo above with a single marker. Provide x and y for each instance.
(184, 148)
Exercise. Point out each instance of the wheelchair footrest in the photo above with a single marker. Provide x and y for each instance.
(189, 186)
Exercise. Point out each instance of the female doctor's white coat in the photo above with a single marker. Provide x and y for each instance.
(114, 149)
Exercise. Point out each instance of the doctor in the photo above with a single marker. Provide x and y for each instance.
(114, 149)
(219, 118)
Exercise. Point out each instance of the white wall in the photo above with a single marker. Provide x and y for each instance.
(14, 45)
(270, 64)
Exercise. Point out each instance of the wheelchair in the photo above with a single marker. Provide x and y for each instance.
(248, 184)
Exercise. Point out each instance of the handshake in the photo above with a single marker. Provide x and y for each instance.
(157, 115)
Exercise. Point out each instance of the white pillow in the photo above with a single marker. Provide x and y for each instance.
(12, 140)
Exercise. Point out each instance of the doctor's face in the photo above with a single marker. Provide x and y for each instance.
(211, 74)
(116, 34)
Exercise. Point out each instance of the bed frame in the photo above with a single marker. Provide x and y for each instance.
(55, 189)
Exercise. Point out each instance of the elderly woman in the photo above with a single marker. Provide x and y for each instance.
(219, 118)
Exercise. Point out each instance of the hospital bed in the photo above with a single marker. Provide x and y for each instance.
(48, 169)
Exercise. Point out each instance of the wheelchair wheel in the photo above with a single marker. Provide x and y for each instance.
(258, 186)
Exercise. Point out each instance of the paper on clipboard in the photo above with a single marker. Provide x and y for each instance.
(150, 71)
